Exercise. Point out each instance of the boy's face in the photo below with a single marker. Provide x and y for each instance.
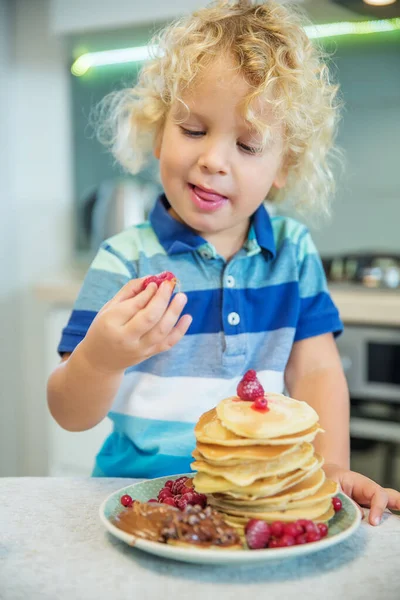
(212, 171)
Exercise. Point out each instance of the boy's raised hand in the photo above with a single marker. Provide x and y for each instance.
(135, 325)
(365, 492)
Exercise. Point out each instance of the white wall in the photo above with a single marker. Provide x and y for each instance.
(77, 15)
(35, 222)
(10, 388)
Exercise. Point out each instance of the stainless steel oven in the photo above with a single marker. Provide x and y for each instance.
(371, 361)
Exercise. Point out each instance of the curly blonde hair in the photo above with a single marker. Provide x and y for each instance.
(271, 50)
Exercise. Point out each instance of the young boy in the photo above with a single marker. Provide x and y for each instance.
(237, 107)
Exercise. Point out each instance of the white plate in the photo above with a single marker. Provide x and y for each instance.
(341, 526)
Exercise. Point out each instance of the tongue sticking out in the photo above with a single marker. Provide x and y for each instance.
(208, 196)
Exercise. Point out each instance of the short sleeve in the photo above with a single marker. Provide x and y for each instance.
(318, 313)
(108, 273)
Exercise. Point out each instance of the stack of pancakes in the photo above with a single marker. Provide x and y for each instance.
(262, 464)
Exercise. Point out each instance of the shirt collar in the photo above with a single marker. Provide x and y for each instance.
(176, 237)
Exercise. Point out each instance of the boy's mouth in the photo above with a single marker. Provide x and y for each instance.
(206, 199)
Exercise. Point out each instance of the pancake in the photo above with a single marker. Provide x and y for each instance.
(306, 487)
(285, 416)
(255, 463)
(229, 455)
(209, 430)
(248, 472)
(240, 522)
(268, 486)
(286, 516)
(325, 492)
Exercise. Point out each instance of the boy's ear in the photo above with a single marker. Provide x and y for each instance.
(157, 143)
(157, 148)
(281, 177)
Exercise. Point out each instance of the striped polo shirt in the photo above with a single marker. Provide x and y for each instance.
(247, 313)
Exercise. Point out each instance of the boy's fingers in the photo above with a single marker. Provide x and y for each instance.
(152, 312)
(125, 309)
(129, 290)
(379, 503)
(393, 498)
(167, 322)
(177, 333)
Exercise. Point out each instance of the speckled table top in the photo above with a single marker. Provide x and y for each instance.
(53, 545)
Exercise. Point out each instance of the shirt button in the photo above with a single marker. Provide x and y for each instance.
(233, 318)
(205, 253)
(230, 281)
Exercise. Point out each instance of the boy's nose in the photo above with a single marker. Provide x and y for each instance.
(215, 158)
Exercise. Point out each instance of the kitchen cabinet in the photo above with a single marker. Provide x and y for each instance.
(69, 453)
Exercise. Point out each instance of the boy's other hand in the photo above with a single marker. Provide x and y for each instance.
(365, 492)
(135, 325)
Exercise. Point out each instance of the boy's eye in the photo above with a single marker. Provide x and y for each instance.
(250, 149)
(191, 132)
(196, 133)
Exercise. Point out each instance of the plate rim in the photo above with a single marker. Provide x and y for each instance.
(219, 556)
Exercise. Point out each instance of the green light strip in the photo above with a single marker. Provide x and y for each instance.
(142, 53)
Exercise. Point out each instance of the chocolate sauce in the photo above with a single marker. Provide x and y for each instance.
(166, 524)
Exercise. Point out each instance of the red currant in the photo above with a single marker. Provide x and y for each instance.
(293, 529)
(313, 536)
(302, 523)
(152, 500)
(337, 504)
(273, 543)
(310, 527)
(286, 540)
(126, 500)
(301, 539)
(277, 529)
(323, 529)
(168, 484)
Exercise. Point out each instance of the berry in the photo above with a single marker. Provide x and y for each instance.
(178, 484)
(286, 540)
(126, 500)
(152, 500)
(293, 529)
(277, 529)
(257, 534)
(249, 388)
(165, 493)
(159, 279)
(301, 539)
(323, 529)
(313, 536)
(310, 527)
(168, 484)
(337, 504)
(200, 499)
(169, 501)
(182, 503)
(273, 543)
(186, 490)
(260, 404)
(302, 523)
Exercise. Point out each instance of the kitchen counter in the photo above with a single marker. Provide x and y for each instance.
(53, 545)
(356, 304)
